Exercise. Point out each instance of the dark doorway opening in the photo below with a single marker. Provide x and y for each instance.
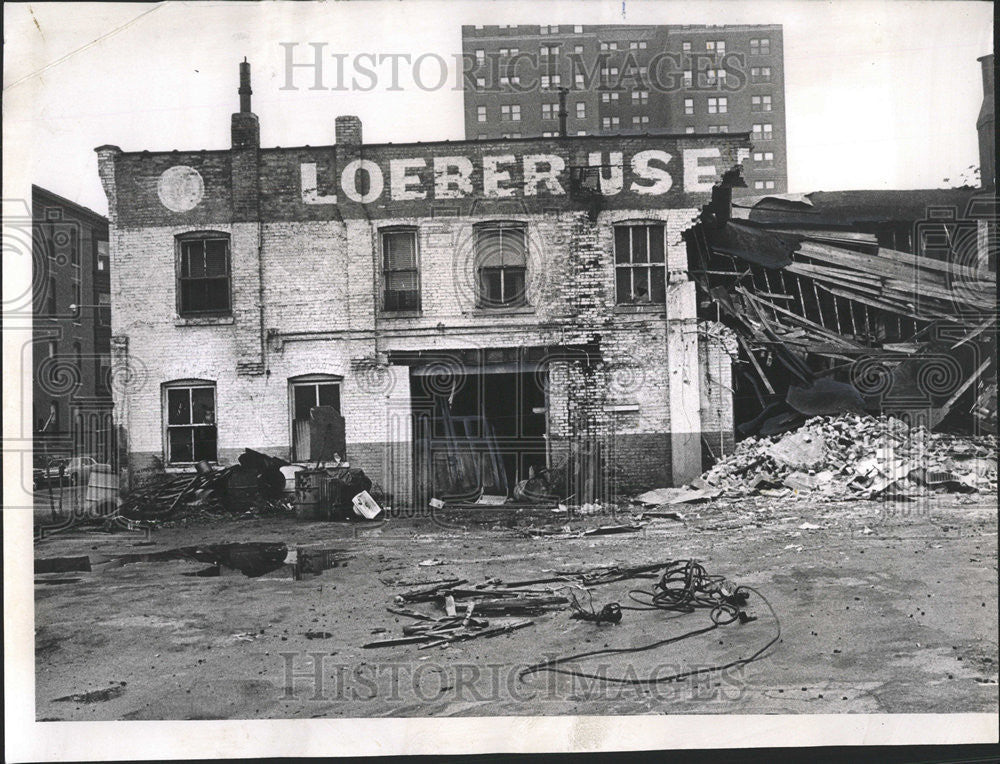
(476, 433)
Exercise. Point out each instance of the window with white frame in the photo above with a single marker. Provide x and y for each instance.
(686, 46)
(760, 74)
(549, 30)
(688, 78)
(501, 264)
(549, 134)
(640, 267)
(689, 129)
(718, 105)
(579, 82)
(718, 128)
(578, 49)
(577, 29)
(480, 56)
(481, 113)
(548, 51)
(609, 123)
(716, 46)
(550, 110)
(581, 110)
(609, 46)
(640, 120)
(510, 112)
(400, 270)
(640, 97)
(609, 97)
(762, 131)
(190, 422)
(764, 158)
(689, 106)
(760, 46)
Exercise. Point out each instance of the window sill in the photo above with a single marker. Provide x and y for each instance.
(641, 308)
(400, 314)
(519, 310)
(203, 320)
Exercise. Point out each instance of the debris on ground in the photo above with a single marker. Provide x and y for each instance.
(856, 456)
(94, 696)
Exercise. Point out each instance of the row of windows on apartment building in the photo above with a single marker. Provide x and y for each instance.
(609, 77)
(759, 46)
(720, 104)
(500, 263)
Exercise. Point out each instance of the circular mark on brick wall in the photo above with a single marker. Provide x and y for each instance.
(377, 380)
(180, 188)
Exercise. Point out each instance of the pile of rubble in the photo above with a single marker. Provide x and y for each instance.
(856, 456)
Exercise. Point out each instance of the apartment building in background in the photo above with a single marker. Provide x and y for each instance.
(71, 358)
(632, 79)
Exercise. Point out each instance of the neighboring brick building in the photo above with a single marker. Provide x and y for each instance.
(71, 329)
(628, 79)
(540, 284)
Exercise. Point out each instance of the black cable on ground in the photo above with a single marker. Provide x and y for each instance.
(683, 587)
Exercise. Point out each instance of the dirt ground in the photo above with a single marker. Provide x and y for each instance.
(882, 608)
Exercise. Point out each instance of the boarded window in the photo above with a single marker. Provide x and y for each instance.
(501, 265)
(401, 276)
(191, 426)
(203, 276)
(640, 268)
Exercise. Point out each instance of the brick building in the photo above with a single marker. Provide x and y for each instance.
(527, 297)
(71, 329)
(627, 79)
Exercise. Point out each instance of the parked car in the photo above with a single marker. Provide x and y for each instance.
(51, 474)
(78, 469)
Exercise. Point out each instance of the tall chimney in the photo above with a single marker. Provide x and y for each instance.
(245, 91)
(245, 126)
(563, 114)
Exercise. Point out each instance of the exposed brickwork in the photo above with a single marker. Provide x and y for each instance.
(306, 296)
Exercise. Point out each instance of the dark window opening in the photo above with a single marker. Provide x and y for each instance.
(204, 276)
(501, 264)
(401, 277)
(640, 266)
(191, 427)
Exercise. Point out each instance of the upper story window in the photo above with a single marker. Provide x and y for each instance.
(762, 132)
(686, 46)
(581, 110)
(578, 29)
(203, 274)
(718, 105)
(689, 106)
(760, 74)
(104, 309)
(640, 267)
(510, 112)
(760, 103)
(103, 260)
(480, 113)
(191, 434)
(764, 158)
(640, 97)
(760, 46)
(400, 272)
(501, 264)
(716, 46)
(609, 46)
(549, 30)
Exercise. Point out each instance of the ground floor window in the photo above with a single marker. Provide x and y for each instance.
(190, 422)
(307, 393)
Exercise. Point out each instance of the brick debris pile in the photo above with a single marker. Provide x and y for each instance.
(857, 456)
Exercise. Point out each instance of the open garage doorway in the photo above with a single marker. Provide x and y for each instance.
(477, 432)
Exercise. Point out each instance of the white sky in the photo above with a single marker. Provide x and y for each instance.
(880, 94)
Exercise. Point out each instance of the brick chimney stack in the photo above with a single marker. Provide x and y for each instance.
(986, 126)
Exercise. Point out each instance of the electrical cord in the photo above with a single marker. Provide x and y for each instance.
(683, 587)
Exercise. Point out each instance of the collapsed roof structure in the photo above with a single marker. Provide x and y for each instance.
(829, 318)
